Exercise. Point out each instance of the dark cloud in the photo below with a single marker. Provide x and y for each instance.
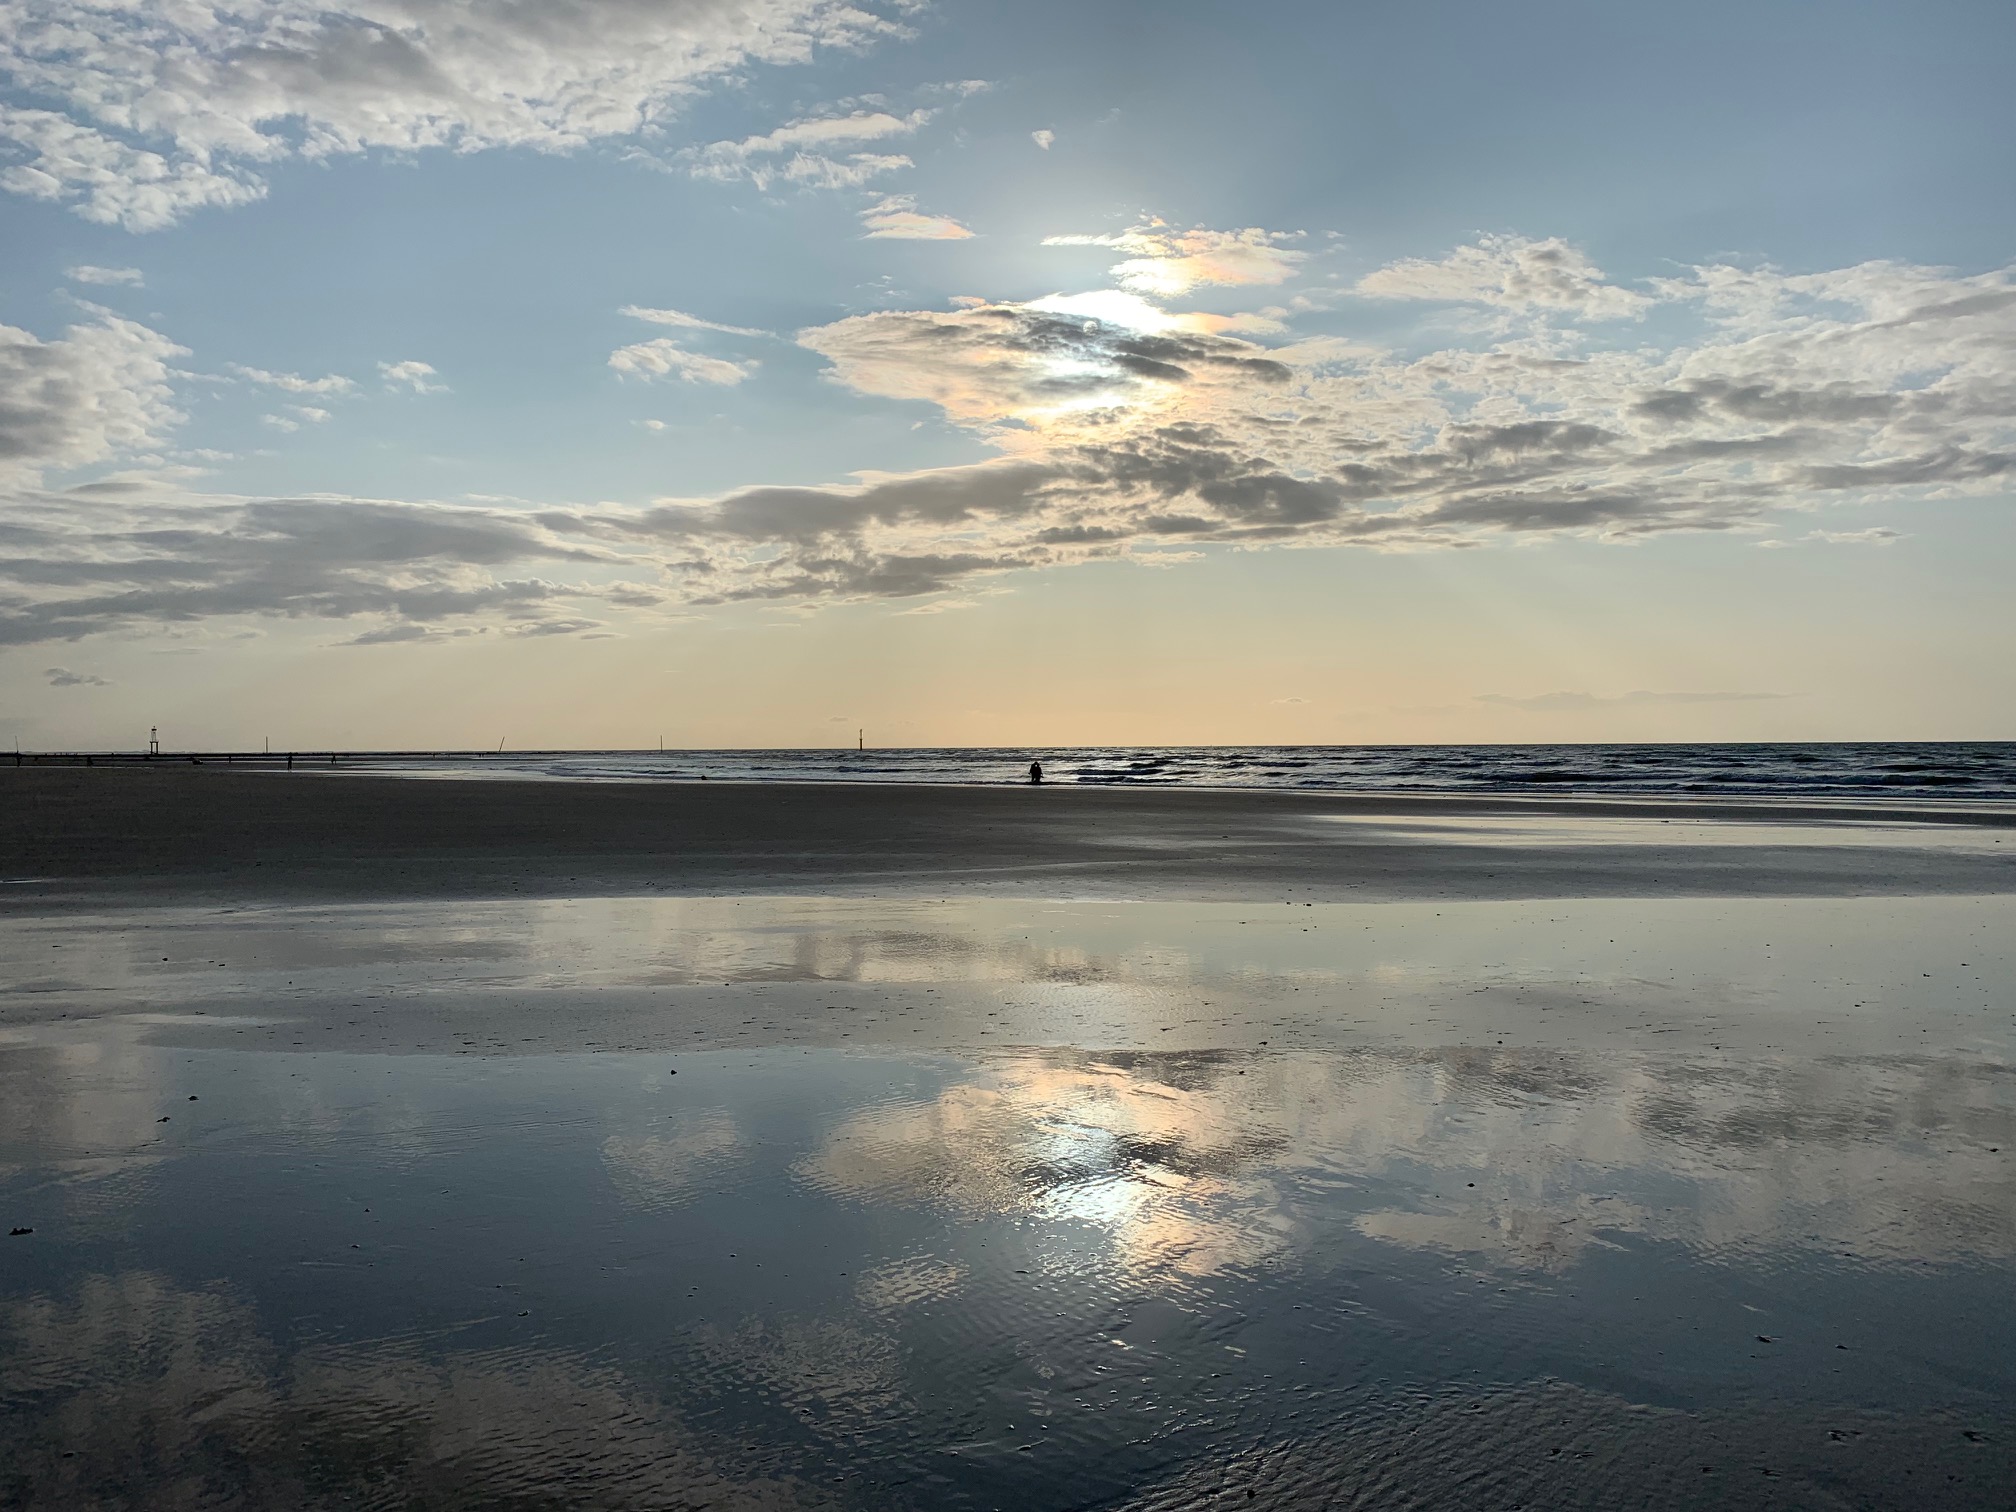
(1948, 465)
(297, 559)
(409, 634)
(63, 677)
(1762, 403)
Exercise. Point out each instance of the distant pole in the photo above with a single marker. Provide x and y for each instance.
(154, 741)
(500, 745)
(860, 740)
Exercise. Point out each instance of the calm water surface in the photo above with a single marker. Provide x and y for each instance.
(1493, 1205)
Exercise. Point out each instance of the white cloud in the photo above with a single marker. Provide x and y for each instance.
(666, 358)
(1043, 138)
(804, 152)
(1511, 273)
(1163, 263)
(106, 180)
(897, 218)
(1876, 535)
(297, 416)
(97, 391)
(85, 273)
(163, 109)
(680, 320)
(294, 383)
(409, 374)
(818, 133)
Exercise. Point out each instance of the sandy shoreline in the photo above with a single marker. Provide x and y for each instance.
(134, 836)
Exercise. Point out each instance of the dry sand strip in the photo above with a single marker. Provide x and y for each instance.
(180, 835)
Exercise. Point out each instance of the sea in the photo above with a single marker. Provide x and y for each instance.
(1953, 770)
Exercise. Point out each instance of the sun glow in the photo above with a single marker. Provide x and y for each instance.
(1114, 307)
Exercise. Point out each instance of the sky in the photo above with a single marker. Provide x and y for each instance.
(398, 374)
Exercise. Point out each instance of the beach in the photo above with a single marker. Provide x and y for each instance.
(172, 832)
(387, 1141)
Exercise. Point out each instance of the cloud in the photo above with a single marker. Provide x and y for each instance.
(1122, 430)
(681, 320)
(100, 389)
(983, 364)
(666, 357)
(1164, 263)
(1559, 703)
(416, 376)
(663, 357)
(896, 218)
(1043, 138)
(803, 152)
(63, 677)
(406, 633)
(294, 383)
(1511, 273)
(158, 111)
(298, 415)
(1875, 535)
(84, 562)
(541, 627)
(105, 179)
(85, 273)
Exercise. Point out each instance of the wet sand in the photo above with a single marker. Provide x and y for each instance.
(175, 833)
(428, 1144)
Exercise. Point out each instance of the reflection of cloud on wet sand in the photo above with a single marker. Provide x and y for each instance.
(908, 1282)
(834, 1375)
(1191, 1164)
(1513, 1236)
(130, 1381)
(664, 1170)
(88, 1107)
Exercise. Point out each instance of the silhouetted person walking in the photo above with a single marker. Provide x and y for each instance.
(1035, 772)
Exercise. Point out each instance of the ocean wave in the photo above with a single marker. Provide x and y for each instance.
(1977, 771)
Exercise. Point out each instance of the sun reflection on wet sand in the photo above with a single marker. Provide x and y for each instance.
(1329, 1241)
